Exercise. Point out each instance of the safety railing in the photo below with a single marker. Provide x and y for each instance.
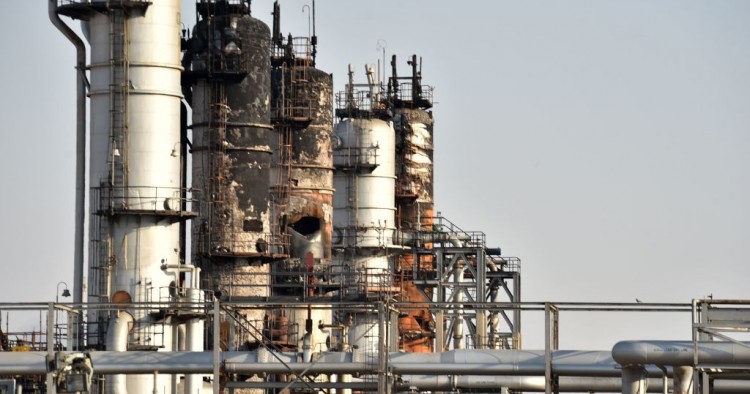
(108, 3)
(358, 103)
(415, 95)
(233, 63)
(300, 49)
(144, 199)
(239, 243)
(356, 157)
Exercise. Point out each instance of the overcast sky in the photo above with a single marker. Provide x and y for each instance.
(605, 143)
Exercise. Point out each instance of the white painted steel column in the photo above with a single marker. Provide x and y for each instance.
(149, 104)
(365, 209)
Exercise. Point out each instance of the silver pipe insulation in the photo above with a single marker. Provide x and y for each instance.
(117, 341)
(80, 198)
(683, 379)
(679, 353)
(634, 379)
(536, 384)
(520, 383)
(464, 362)
(481, 368)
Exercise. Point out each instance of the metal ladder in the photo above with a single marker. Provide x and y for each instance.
(214, 135)
(119, 89)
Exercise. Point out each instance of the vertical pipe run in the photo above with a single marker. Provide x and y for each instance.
(634, 379)
(458, 299)
(216, 345)
(551, 341)
(80, 198)
(682, 376)
(51, 387)
(117, 340)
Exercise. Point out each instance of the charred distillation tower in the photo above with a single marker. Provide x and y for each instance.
(227, 82)
(137, 194)
(302, 190)
(411, 102)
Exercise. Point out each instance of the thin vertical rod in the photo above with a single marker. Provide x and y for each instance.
(217, 344)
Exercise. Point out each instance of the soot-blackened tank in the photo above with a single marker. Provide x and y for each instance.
(229, 63)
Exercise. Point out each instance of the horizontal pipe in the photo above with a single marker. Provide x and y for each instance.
(469, 362)
(680, 353)
(536, 384)
(23, 363)
(516, 369)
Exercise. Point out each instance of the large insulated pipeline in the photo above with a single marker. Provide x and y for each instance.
(633, 355)
(462, 362)
(520, 383)
(420, 370)
(679, 352)
(80, 158)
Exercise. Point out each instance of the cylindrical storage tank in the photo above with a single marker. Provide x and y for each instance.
(135, 125)
(364, 202)
(310, 211)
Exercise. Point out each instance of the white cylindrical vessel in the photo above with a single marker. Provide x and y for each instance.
(364, 202)
(364, 221)
(135, 128)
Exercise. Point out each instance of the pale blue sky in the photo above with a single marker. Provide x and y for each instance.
(605, 143)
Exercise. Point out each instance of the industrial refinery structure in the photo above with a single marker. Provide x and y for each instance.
(250, 230)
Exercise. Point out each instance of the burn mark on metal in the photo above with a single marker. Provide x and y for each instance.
(228, 67)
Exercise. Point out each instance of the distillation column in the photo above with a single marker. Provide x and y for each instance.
(228, 74)
(137, 192)
(364, 209)
(303, 193)
(302, 114)
(415, 203)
